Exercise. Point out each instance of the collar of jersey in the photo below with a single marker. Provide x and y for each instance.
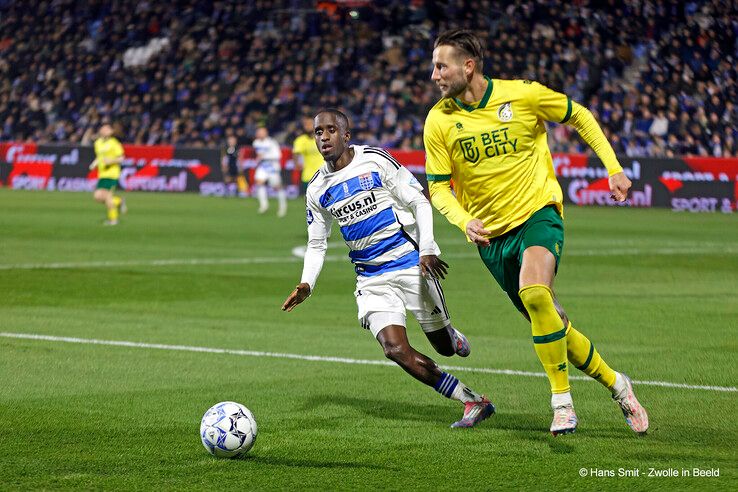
(357, 151)
(482, 102)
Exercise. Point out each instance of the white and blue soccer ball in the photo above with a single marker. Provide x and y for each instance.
(228, 429)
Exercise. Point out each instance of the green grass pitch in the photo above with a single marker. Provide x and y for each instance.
(656, 291)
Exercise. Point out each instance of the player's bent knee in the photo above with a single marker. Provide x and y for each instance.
(536, 297)
(395, 352)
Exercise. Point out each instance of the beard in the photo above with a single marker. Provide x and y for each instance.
(456, 88)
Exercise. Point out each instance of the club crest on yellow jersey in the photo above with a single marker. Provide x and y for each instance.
(505, 112)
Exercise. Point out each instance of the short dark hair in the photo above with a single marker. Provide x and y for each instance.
(466, 42)
(340, 116)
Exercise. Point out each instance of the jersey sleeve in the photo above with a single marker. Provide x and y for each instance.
(400, 182)
(319, 220)
(586, 125)
(275, 151)
(438, 165)
(319, 223)
(549, 104)
(552, 105)
(445, 202)
(438, 170)
(409, 194)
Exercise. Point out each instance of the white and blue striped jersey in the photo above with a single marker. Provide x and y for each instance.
(381, 211)
(268, 154)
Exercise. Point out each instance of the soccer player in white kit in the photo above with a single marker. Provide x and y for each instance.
(268, 171)
(387, 223)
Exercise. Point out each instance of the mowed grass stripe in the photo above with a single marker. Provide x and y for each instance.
(339, 360)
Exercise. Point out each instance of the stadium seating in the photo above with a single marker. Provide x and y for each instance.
(659, 75)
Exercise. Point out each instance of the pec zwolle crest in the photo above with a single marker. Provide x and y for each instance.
(366, 182)
(505, 113)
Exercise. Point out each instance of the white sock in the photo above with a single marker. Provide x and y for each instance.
(465, 394)
(561, 399)
(450, 387)
(619, 385)
(261, 194)
(282, 197)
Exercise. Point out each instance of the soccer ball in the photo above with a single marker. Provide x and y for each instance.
(228, 429)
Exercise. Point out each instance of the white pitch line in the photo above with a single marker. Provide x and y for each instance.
(154, 263)
(320, 358)
(299, 252)
(159, 263)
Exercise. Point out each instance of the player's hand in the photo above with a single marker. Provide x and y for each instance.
(301, 292)
(619, 186)
(477, 233)
(93, 165)
(433, 265)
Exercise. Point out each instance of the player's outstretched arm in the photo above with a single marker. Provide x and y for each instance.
(301, 292)
(408, 192)
(445, 202)
(590, 131)
(552, 105)
(439, 170)
(319, 228)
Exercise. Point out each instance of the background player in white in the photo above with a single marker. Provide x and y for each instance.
(387, 224)
(268, 171)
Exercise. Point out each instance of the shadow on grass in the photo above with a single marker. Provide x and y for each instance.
(311, 463)
(384, 409)
(437, 413)
(527, 426)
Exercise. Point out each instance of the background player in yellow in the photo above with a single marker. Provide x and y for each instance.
(108, 156)
(306, 154)
(488, 136)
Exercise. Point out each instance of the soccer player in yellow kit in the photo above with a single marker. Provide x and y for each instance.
(306, 154)
(108, 156)
(488, 137)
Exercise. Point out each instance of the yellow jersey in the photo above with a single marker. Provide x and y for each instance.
(496, 153)
(108, 148)
(304, 146)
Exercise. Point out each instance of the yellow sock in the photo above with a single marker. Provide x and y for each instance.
(241, 183)
(116, 201)
(583, 354)
(113, 213)
(549, 334)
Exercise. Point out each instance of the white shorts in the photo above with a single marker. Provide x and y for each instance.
(268, 174)
(384, 299)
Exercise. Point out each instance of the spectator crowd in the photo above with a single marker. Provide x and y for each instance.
(659, 75)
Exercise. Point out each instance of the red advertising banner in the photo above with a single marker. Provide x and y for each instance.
(695, 184)
(691, 184)
(145, 168)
